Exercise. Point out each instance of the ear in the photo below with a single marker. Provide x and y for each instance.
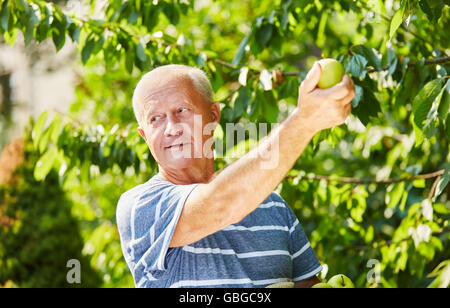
(215, 111)
(142, 133)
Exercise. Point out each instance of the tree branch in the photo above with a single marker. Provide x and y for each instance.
(370, 181)
(371, 70)
(387, 243)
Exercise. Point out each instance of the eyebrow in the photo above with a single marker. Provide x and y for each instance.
(149, 111)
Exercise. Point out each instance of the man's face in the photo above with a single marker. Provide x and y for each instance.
(173, 117)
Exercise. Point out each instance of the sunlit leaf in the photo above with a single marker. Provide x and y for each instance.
(397, 20)
(38, 128)
(241, 50)
(424, 99)
(45, 164)
(443, 182)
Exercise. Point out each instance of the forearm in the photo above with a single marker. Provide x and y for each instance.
(237, 190)
(246, 183)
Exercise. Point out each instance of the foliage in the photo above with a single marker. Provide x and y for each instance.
(38, 233)
(372, 189)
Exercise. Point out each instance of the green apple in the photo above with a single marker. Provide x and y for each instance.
(332, 73)
(284, 284)
(322, 285)
(340, 281)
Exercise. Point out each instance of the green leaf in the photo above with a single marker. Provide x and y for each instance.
(432, 8)
(140, 51)
(241, 103)
(424, 99)
(368, 107)
(133, 17)
(359, 93)
(45, 164)
(44, 25)
(441, 208)
(269, 106)
(264, 34)
(419, 135)
(395, 194)
(36, 133)
(368, 237)
(321, 35)
(43, 142)
(5, 15)
(445, 178)
(442, 271)
(408, 88)
(171, 12)
(402, 259)
(255, 108)
(403, 201)
(31, 24)
(416, 263)
(21, 4)
(56, 128)
(241, 50)
(87, 50)
(444, 105)
(129, 60)
(357, 211)
(369, 55)
(447, 126)
(59, 31)
(391, 60)
(419, 183)
(227, 114)
(357, 66)
(397, 20)
(74, 32)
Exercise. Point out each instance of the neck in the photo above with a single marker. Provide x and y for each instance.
(191, 175)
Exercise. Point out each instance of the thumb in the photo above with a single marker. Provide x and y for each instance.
(312, 78)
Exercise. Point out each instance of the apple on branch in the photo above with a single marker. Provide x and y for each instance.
(332, 73)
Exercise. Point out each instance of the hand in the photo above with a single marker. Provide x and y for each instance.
(324, 108)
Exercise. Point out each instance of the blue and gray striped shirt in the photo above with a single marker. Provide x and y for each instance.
(266, 247)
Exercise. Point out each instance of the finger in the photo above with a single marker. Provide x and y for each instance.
(349, 82)
(312, 78)
(346, 112)
(342, 90)
(347, 99)
(348, 109)
(336, 92)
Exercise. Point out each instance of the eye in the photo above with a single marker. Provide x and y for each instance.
(155, 118)
(182, 109)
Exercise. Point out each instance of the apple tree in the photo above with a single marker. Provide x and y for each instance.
(372, 194)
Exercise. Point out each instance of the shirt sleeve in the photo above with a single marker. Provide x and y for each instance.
(153, 219)
(305, 261)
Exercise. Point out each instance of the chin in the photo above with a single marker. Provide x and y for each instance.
(178, 163)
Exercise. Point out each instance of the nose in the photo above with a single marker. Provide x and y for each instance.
(173, 128)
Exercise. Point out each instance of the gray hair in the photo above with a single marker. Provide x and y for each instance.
(197, 76)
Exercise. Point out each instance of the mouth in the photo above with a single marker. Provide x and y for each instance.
(178, 146)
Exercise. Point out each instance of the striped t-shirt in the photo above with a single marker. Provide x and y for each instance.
(266, 247)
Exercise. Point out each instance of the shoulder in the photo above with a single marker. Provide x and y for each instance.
(130, 198)
(275, 197)
(153, 200)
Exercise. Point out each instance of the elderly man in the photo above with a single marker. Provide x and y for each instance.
(189, 226)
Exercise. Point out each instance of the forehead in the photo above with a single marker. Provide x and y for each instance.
(164, 92)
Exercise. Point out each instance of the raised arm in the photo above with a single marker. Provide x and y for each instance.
(242, 186)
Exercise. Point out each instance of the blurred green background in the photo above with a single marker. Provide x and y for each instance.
(372, 194)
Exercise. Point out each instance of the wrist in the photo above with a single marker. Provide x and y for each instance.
(304, 121)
